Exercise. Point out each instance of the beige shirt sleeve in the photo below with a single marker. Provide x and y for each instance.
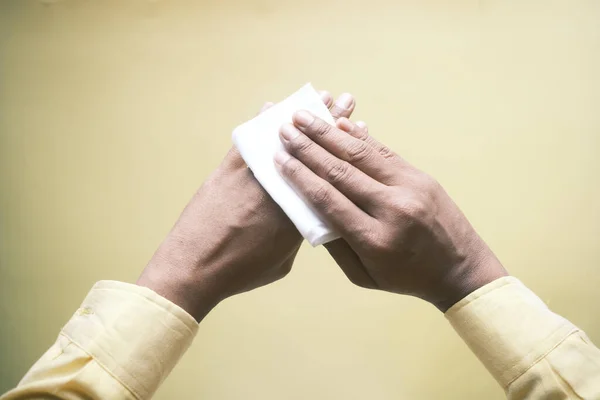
(125, 339)
(121, 344)
(532, 352)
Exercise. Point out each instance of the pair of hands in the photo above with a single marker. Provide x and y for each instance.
(400, 231)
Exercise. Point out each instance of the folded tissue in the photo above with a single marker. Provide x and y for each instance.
(258, 140)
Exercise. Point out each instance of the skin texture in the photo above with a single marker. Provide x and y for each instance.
(230, 238)
(401, 232)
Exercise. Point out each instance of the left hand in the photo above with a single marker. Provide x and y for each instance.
(231, 238)
(401, 232)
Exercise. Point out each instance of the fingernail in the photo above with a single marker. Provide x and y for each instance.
(266, 106)
(289, 132)
(281, 157)
(344, 101)
(345, 124)
(326, 97)
(303, 119)
(361, 124)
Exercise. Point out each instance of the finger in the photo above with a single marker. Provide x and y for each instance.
(343, 106)
(266, 106)
(352, 182)
(344, 146)
(350, 263)
(360, 131)
(326, 97)
(335, 208)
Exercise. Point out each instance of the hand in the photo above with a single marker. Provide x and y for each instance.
(230, 238)
(400, 231)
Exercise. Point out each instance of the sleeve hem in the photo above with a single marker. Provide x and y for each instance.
(132, 332)
(482, 291)
(160, 302)
(104, 367)
(508, 327)
(571, 331)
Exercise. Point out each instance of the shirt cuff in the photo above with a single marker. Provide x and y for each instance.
(135, 334)
(508, 327)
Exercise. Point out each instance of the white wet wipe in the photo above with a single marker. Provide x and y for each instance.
(258, 140)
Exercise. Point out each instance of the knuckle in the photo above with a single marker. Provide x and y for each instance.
(291, 169)
(358, 151)
(319, 129)
(338, 112)
(337, 171)
(412, 209)
(378, 243)
(430, 184)
(432, 189)
(368, 236)
(386, 152)
(300, 145)
(362, 134)
(320, 196)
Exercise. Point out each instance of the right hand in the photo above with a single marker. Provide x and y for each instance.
(231, 238)
(400, 230)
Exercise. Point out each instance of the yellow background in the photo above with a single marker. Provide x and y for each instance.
(113, 112)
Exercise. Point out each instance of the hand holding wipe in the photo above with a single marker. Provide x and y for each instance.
(258, 140)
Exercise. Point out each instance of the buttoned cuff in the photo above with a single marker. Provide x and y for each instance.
(135, 334)
(508, 327)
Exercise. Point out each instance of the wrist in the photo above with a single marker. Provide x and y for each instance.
(478, 269)
(175, 274)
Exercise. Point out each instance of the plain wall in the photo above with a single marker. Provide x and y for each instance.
(113, 112)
